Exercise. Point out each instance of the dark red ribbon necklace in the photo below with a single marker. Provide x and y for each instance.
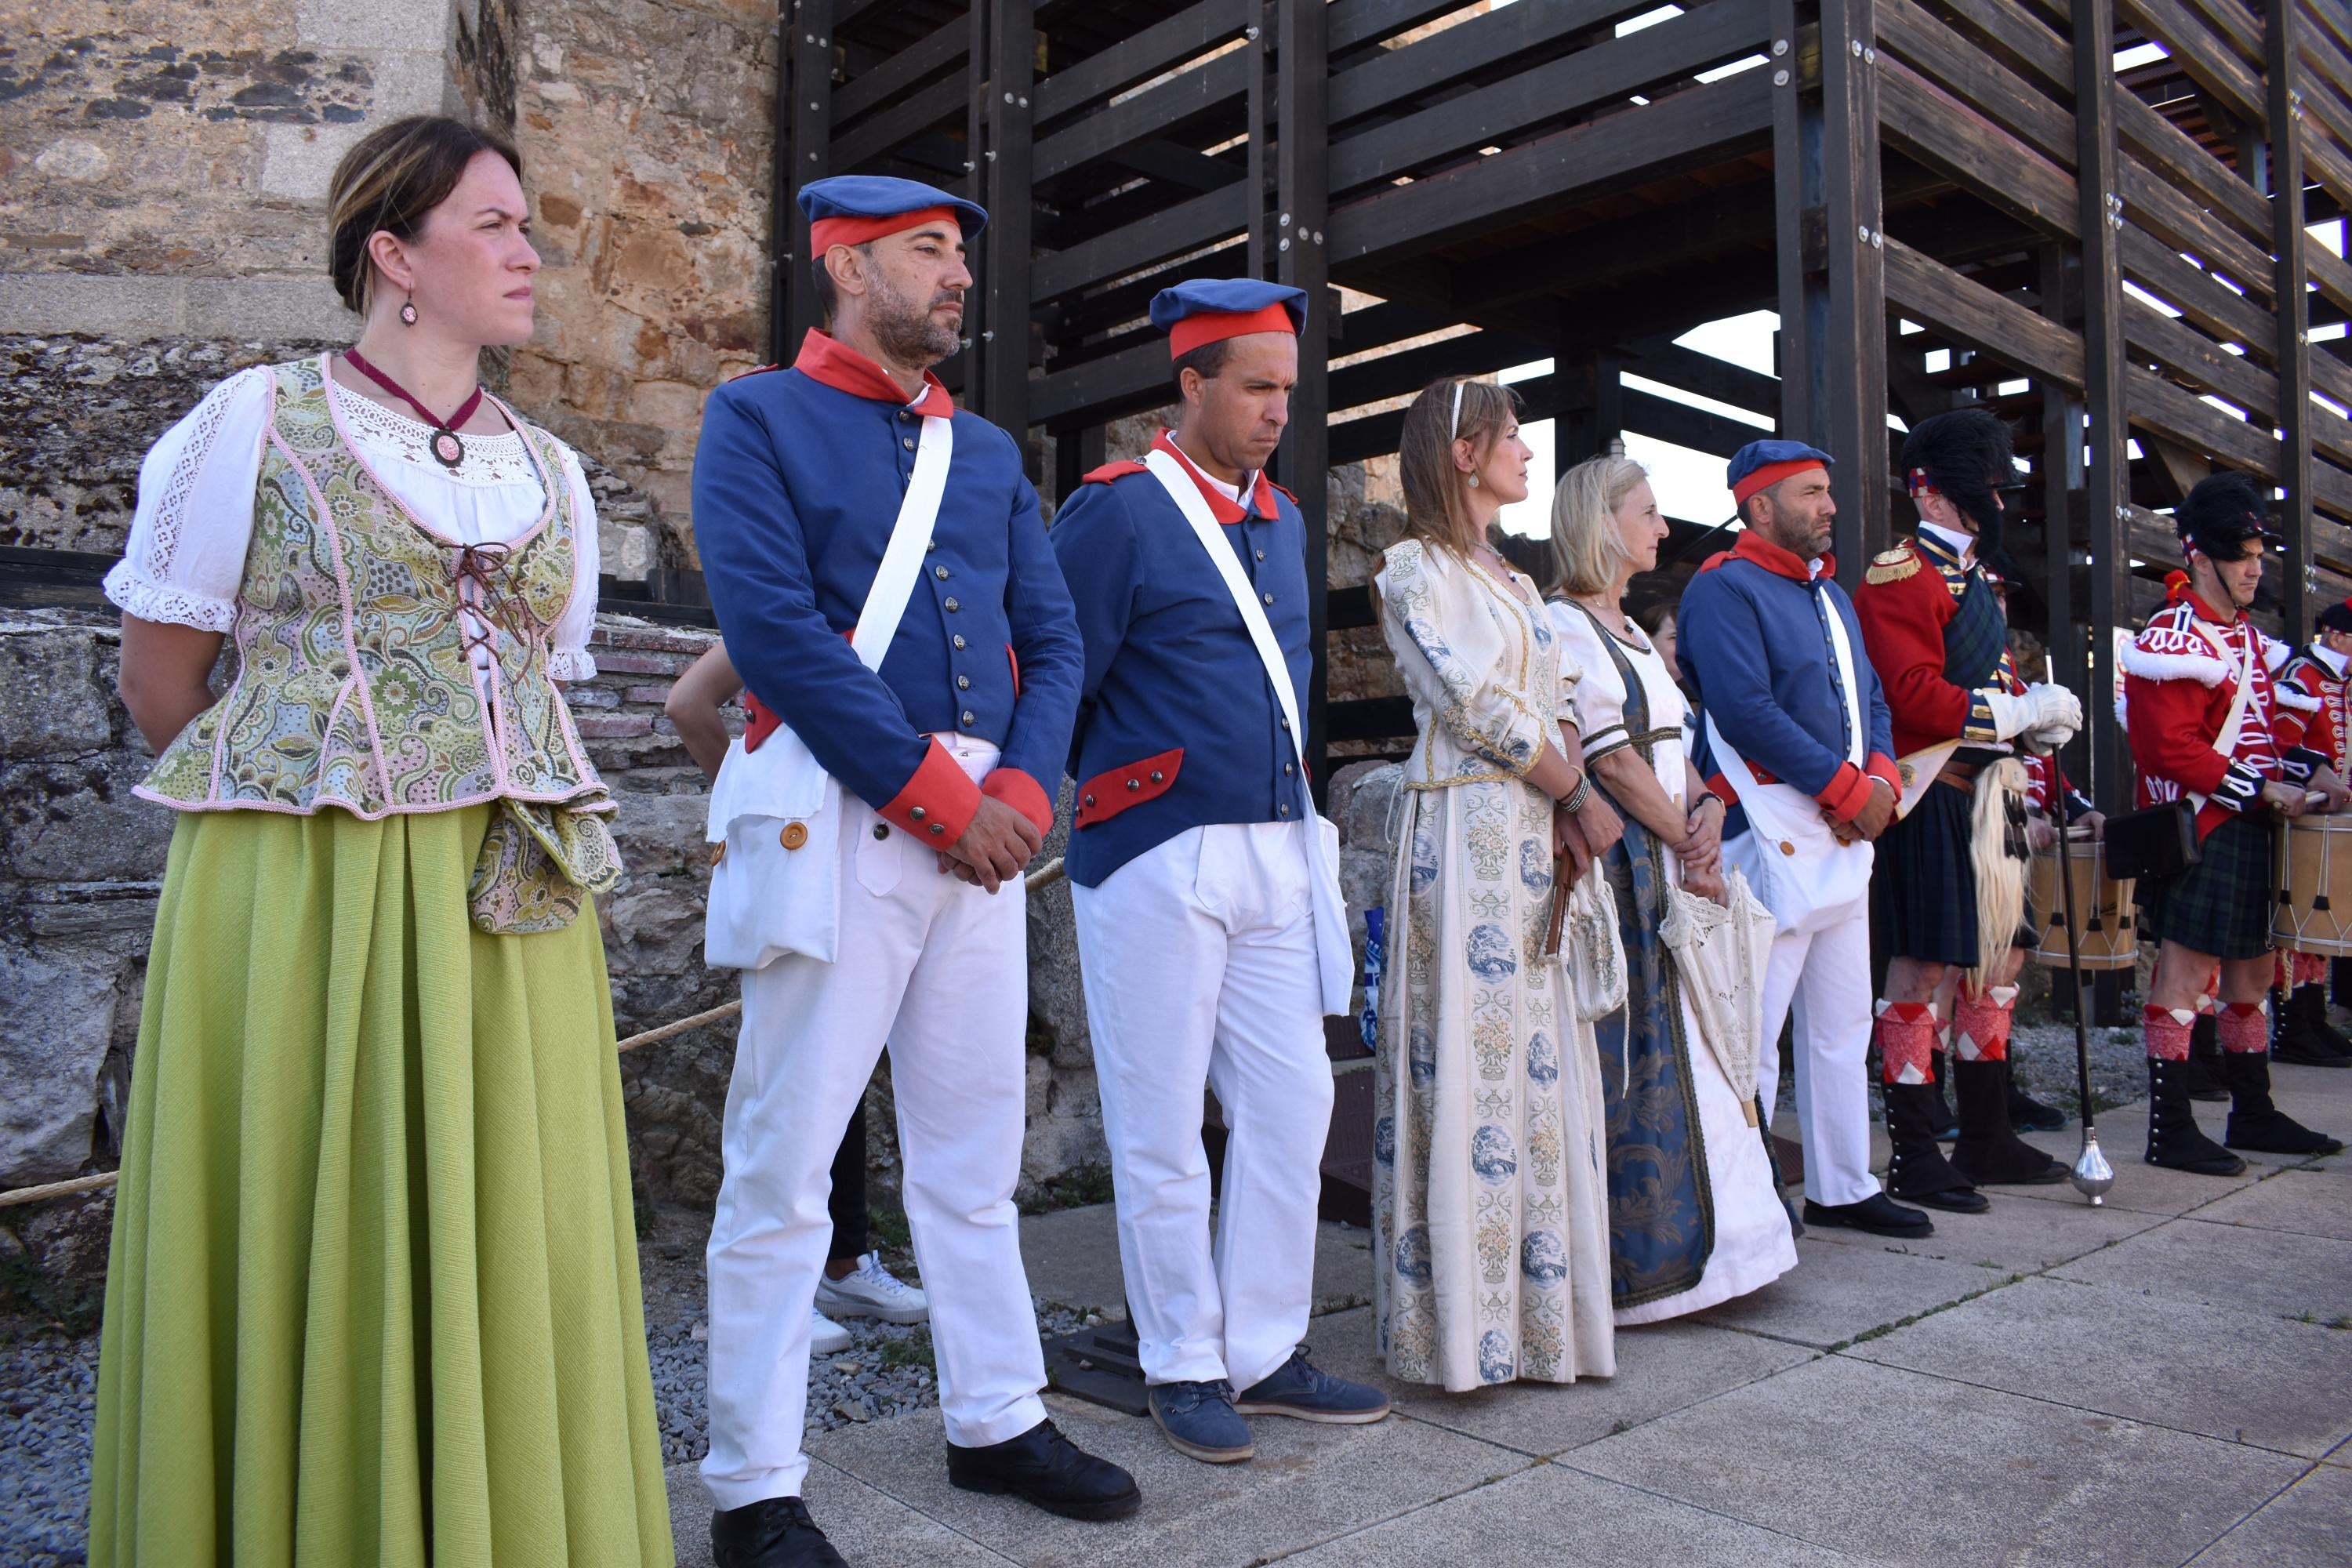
(447, 448)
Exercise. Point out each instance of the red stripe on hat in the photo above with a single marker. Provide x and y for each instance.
(1213, 326)
(827, 232)
(1771, 474)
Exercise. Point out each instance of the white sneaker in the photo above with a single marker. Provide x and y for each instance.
(825, 1336)
(871, 1290)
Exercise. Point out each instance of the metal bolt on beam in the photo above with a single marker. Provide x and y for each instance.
(1251, 33)
(1870, 56)
(1285, 243)
(1780, 79)
(1856, 44)
(1780, 47)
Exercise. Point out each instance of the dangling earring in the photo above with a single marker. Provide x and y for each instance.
(1473, 482)
(409, 310)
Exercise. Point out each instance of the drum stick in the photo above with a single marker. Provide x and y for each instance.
(1558, 905)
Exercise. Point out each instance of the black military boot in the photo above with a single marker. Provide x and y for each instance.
(2303, 1036)
(1940, 1065)
(775, 1532)
(1989, 1152)
(2337, 1039)
(2027, 1114)
(1043, 1467)
(1917, 1172)
(2174, 1139)
(2204, 1073)
(2254, 1122)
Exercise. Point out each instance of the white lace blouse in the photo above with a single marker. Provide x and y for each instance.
(185, 555)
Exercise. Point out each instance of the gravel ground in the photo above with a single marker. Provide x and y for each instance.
(50, 1391)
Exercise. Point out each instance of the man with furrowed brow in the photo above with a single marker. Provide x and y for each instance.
(1210, 930)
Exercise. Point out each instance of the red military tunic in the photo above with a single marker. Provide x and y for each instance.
(1908, 599)
(2180, 680)
(2311, 696)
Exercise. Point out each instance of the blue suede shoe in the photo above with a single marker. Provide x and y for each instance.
(1199, 1421)
(1296, 1389)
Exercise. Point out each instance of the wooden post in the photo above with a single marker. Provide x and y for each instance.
(804, 109)
(1852, 349)
(2289, 272)
(1302, 208)
(1002, 378)
(2108, 475)
(1796, 186)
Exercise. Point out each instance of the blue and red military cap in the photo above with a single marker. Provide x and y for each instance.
(1760, 465)
(1209, 308)
(850, 210)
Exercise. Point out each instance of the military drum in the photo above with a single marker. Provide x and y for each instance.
(2109, 935)
(2315, 885)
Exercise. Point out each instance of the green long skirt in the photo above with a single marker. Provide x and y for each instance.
(373, 1297)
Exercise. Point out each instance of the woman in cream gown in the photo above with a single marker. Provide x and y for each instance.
(1489, 1208)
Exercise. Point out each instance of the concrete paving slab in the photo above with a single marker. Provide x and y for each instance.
(2021, 1233)
(1072, 1257)
(1660, 1368)
(2141, 1187)
(2227, 1265)
(2340, 1454)
(1307, 1485)
(869, 1529)
(1911, 1469)
(2306, 1201)
(1837, 1291)
(1553, 1518)
(2310, 1526)
(2240, 1376)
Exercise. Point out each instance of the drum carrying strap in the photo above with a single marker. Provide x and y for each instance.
(2226, 742)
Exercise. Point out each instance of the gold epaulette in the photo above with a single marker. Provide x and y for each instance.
(1892, 565)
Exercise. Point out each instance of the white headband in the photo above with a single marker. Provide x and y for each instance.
(1454, 425)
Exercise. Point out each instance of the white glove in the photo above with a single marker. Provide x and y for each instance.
(2012, 712)
(2042, 741)
(2055, 708)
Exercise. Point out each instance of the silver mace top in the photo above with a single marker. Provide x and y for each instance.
(2092, 1175)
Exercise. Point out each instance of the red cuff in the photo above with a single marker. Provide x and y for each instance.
(1720, 787)
(1848, 793)
(1023, 793)
(1882, 766)
(938, 803)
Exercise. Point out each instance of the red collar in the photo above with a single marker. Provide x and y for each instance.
(1754, 547)
(1221, 507)
(2204, 612)
(826, 359)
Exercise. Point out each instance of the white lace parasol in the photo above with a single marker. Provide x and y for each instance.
(1720, 951)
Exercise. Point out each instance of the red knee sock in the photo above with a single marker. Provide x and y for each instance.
(1907, 1037)
(2310, 969)
(2245, 1028)
(1980, 1025)
(2165, 1030)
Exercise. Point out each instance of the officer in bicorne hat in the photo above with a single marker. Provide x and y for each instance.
(946, 753)
(1940, 639)
(1794, 731)
(1210, 927)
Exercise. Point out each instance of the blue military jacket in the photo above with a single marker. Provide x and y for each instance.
(797, 481)
(1178, 725)
(1754, 643)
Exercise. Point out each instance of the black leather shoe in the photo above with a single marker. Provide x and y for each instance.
(1877, 1213)
(1045, 1468)
(775, 1532)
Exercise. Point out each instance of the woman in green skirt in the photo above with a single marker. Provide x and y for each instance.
(373, 1297)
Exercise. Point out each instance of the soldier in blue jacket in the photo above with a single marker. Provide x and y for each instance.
(1795, 732)
(1197, 869)
(945, 754)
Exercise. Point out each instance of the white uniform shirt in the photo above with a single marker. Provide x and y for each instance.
(186, 556)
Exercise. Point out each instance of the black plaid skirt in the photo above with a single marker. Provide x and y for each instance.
(1923, 885)
(2221, 905)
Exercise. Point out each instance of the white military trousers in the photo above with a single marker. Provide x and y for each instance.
(1820, 981)
(1200, 968)
(938, 969)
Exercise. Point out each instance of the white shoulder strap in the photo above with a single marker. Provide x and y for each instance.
(2226, 742)
(910, 537)
(1195, 508)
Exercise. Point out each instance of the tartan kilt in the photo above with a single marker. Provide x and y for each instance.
(2221, 905)
(1923, 885)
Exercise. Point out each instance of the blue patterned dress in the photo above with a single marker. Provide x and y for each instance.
(1489, 1208)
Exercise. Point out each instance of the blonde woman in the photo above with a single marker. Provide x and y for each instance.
(372, 1297)
(1695, 1215)
(1488, 1209)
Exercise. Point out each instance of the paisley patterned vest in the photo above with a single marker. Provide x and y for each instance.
(354, 683)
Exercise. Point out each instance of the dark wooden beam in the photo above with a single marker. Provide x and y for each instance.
(1973, 315)
(1725, 118)
(2108, 471)
(1850, 346)
(1302, 111)
(1193, 31)
(2289, 245)
(1937, 130)
(1795, 190)
(1007, 122)
(804, 98)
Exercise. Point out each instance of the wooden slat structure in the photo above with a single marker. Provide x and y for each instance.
(1948, 202)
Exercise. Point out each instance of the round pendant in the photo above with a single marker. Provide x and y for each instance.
(447, 450)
